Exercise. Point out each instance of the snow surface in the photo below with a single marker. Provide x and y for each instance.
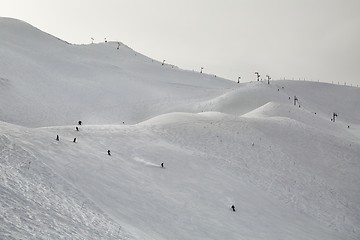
(290, 172)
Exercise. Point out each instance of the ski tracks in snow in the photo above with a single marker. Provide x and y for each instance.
(38, 204)
(147, 163)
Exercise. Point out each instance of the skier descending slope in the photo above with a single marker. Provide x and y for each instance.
(57, 138)
(233, 208)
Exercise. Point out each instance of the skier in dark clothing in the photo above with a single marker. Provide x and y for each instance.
(57, 137)
(77, 129)
(109, 153)
(79, 122)
(233, 208)
(74, 140)
(162, 164)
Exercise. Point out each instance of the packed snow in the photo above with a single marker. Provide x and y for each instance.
(290, 172)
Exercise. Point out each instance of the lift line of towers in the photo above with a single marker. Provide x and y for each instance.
(296, 100)
(268, 78)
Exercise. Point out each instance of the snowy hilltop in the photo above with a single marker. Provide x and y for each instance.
(165, 153)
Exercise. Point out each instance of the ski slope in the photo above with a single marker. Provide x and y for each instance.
(96, 83)
(290, 172)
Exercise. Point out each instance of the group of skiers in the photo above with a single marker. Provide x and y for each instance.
(109, 153)
(76, 128)
(58, 139)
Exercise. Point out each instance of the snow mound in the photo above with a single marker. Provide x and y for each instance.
(243, 99)
(181, 118)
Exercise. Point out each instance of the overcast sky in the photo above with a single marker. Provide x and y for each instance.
(312, 39)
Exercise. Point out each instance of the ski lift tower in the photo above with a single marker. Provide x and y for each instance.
(268, 78)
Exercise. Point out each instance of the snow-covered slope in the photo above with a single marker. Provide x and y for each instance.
(56, 83)
(37, 203)
(290, 172)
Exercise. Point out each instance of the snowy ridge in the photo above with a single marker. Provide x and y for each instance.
(290, 172)
(97, 83)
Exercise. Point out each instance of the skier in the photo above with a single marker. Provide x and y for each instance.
(74, 140)
(57, 137)
(79, 122)
(77, 129)
(109, 153)
(233, 208)
(162, 164)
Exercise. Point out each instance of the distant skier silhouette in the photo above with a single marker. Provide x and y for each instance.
(233, 208)
(57, 138)
(74, 140)
(79, 122)
(109, 152)
(77, 129)
(162, 164)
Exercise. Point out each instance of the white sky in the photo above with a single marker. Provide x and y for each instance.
(312, 39)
